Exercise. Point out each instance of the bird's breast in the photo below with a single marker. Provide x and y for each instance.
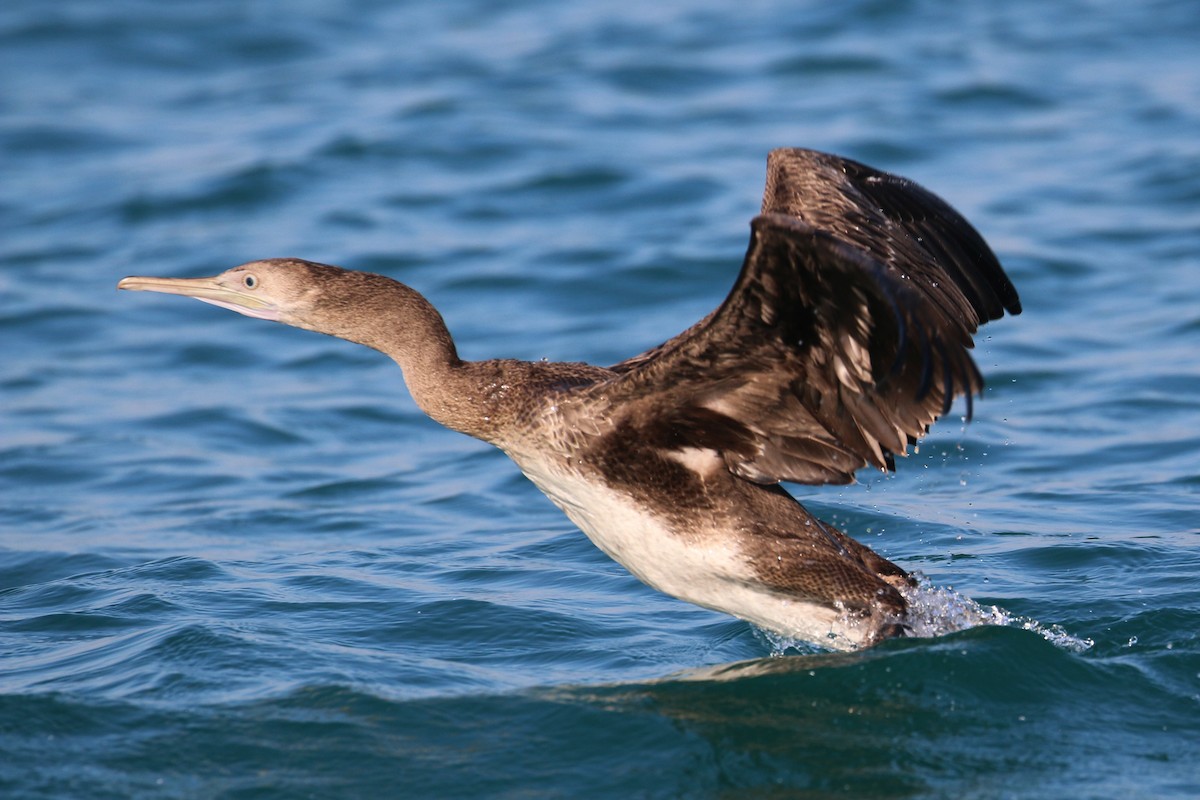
(696, 559)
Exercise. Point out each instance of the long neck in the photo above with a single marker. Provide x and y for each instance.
(400, 323)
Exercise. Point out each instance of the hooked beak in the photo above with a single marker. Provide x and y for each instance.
(207, 290)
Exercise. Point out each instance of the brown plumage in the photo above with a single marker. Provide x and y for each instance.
(845, 336)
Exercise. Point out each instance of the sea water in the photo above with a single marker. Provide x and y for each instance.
(235, 560)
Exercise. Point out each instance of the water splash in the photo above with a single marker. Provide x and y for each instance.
(936, 611)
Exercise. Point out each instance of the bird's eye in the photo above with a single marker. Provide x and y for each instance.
(250, 282)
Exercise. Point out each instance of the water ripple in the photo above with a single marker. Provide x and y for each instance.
(235, 559)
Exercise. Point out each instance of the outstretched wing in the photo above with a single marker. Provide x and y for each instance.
(895, 220)
(844, 337)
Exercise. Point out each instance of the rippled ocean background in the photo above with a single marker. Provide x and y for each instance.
(235, 561)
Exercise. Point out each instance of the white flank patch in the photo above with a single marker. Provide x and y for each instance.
(699, 565)
(701, 461)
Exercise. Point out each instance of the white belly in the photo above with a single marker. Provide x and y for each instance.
(705, 567)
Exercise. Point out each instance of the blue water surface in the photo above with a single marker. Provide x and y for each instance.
(236, 561)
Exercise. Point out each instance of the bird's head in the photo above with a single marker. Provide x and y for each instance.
(283, 290)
